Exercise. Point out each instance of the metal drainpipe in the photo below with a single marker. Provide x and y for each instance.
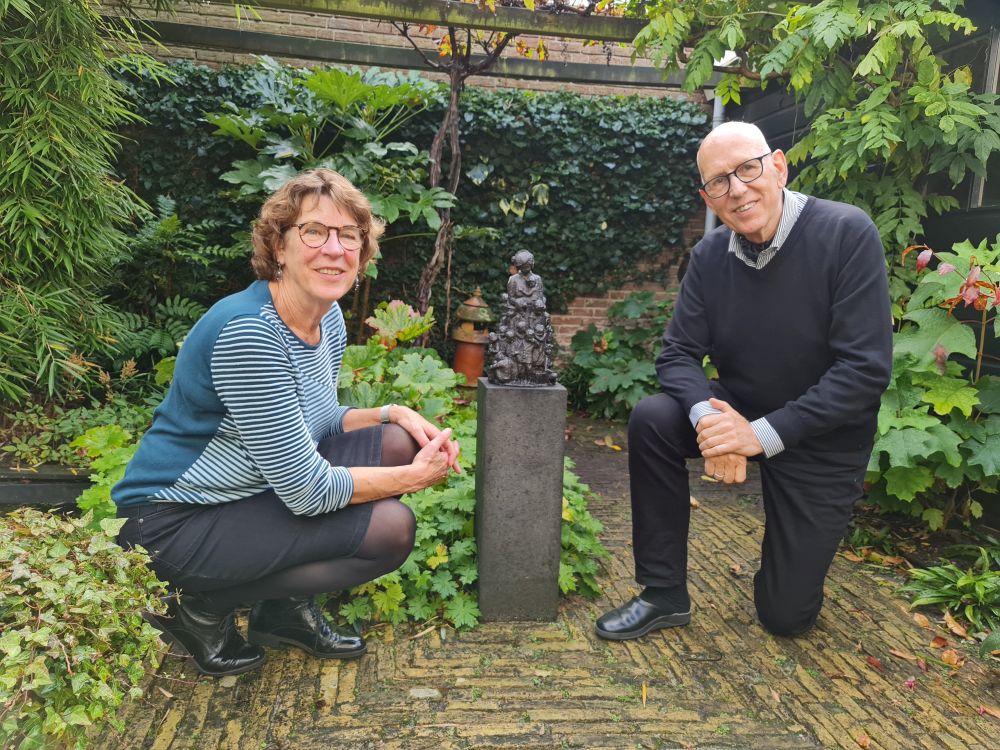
(718, 117)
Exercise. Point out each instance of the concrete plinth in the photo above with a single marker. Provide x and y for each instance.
(519, 471)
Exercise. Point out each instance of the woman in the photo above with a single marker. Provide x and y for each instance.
(253, 485)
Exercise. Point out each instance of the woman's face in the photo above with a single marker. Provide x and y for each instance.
(318, 276)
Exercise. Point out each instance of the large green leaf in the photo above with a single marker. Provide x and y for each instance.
(946, 441)
(989, 394)
(934, 328)
(908, 482)
(904, 447)
(946, 394)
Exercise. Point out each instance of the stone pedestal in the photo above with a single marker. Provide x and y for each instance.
(519, 470)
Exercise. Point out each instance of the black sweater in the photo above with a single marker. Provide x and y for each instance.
(805, 342)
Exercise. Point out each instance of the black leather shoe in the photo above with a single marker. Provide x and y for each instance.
(635, 618)
(212, 640)
(299, 622)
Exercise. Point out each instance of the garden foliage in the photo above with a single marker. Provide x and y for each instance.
(62, 220)
(438, 576)
(892, 123)
(596, 187)
(612, 368)
(937, 452)
(73, 644)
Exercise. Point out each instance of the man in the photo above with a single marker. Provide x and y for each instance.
(790, 301)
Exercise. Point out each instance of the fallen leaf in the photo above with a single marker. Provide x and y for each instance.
(901, 655)
(873, 661)
(864, 741)
(736, 569)
(922, 664)
(938, 642)
(707, 478)
(645, 691)
(901, 562)
(911, 683)
(954, 627)
(166, 693)
(775, 696)
(852, 557)
(694, 502)
(991, 710)
(837, 675)
(922, 620)
(952, 658)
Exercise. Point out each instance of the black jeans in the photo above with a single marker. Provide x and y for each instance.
(808, 500)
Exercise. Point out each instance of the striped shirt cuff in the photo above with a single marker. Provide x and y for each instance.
(770, 441)
(699, 410)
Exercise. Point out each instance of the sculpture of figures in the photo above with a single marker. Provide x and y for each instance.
(520, 351)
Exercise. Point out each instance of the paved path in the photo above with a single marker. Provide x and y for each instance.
(721, 682)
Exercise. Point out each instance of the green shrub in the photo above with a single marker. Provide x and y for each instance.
(612, 368)
(937, 449)
(73, 643)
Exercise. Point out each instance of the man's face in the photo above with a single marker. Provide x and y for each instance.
(751, 209)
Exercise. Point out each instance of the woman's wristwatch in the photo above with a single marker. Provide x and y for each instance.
(383, 414)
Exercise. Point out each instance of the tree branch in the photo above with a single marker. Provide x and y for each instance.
(404, 29)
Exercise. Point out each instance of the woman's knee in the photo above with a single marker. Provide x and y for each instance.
(391, 532)
(398, 447)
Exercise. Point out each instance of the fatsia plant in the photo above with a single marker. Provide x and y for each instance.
(892, 122)
(61, 215)
(937, 452)
(342, 120)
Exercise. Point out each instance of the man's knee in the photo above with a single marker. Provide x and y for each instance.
(786, 614)
(658, 415)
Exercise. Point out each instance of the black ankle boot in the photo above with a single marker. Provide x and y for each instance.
(211, 639)
(299, 622)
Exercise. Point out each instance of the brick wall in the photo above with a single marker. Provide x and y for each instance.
(583, 311)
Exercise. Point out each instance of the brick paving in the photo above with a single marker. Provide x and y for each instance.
(721, 682)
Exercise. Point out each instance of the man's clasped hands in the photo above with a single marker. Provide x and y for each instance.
(726, 440)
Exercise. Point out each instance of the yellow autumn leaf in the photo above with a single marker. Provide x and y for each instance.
(439, 558)
(529, 4)
(567, 512)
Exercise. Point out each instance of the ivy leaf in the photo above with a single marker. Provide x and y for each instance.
(462, 611)
(906, 482)
(945, 394)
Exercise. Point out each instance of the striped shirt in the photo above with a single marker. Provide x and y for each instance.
(245, 412)
(791, 208)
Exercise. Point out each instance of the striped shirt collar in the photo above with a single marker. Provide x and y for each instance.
(792, 206)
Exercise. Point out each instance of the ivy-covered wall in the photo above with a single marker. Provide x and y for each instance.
(596, 187)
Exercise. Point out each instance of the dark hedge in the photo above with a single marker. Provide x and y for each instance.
(618, 173)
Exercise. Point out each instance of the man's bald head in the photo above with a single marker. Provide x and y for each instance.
(725, 134)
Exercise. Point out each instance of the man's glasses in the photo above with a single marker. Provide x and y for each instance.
(746, 172)
(314, 234)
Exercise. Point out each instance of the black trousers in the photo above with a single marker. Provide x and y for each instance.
(808, 500)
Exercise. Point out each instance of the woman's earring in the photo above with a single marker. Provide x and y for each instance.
(357, 283)
(279, 273)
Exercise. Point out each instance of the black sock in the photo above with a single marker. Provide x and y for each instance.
(672, 598)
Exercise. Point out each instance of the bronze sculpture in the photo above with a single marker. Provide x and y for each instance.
(520, 351)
